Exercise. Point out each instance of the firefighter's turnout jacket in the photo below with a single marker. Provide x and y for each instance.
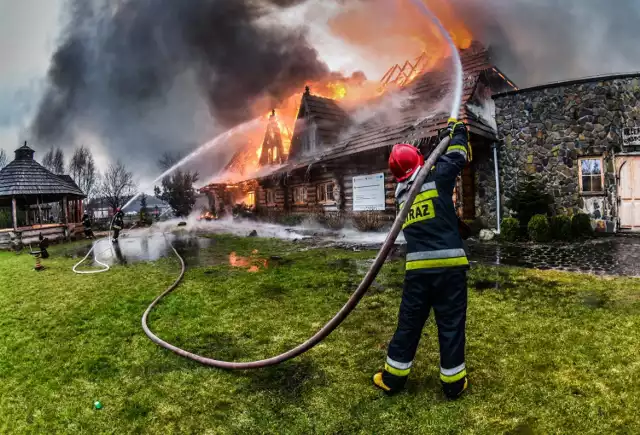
(431, 228)
(118, 222)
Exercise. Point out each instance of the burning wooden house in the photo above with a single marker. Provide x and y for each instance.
(27, 189)
(337, 161)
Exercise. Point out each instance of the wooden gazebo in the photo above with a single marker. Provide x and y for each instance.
(27, 185)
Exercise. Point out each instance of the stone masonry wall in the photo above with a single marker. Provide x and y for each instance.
(485, 181)
(543, 133)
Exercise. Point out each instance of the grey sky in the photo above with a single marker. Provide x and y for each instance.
(28, 32)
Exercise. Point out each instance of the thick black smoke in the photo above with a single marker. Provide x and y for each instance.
(540, 41)
(142, 75)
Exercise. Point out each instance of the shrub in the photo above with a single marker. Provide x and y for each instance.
(331, 219)
(510, 229)
(538, 228)
(581, 225)
(560, 227)
(369, 221)
(530, 199)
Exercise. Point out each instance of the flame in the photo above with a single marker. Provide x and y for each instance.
(252, 264)
(399, 33)
(207, 216)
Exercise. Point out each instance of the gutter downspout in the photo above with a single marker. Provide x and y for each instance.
(494, 147)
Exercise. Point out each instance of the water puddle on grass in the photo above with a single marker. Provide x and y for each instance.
(141, 246)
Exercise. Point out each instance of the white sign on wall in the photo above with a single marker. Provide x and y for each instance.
(368, 192)
(631, 136)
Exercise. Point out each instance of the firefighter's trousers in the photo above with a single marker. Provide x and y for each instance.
(446, 293)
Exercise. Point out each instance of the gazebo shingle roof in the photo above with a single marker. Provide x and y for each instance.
(26, 177)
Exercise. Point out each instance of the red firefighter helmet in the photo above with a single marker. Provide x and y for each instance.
(118, 210)
(404, 160)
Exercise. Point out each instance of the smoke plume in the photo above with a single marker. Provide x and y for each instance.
(533, 41)
(540, 41)
(144, 76)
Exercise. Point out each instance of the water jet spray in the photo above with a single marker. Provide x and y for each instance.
(371, 274)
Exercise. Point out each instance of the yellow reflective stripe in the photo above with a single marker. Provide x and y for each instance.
(419, 212)
(396, 372)
(427, 194)
(457, 147)
(422, 197)
(436, 263)
(453, 378)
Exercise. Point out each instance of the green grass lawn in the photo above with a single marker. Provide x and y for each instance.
(548, 352)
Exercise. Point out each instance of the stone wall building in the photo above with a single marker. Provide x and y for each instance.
(581, 139)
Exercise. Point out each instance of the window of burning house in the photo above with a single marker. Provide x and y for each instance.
(272, 155)
(324, 193)
(251, 199)
(591, 175)
(300, 195)
(271, 197)
(309, 139)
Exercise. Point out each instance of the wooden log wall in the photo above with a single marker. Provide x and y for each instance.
(342, 171)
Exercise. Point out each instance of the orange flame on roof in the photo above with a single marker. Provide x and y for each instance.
(399, 33)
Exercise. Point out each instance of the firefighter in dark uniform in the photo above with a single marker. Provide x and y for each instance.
(43, 244)
(436, 266)
(86, 223)
(117, 224)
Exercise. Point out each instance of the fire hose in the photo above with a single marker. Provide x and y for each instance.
(105, 267)
(371, 274)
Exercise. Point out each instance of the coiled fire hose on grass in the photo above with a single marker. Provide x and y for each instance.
(368, 279)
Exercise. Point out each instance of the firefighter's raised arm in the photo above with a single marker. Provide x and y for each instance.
(453, 161)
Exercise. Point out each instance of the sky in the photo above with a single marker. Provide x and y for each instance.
(28, 39)
(26, 43)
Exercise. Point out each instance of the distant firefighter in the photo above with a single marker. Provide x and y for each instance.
(117, 224)
(86, 223)
(43, 244)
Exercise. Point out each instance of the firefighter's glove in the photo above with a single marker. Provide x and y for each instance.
(456, 127)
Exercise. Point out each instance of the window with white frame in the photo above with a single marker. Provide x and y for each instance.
(591, 175)
(324, 193)
(271, 197)
(300, 195)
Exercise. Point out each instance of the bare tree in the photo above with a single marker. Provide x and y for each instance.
(53, 160)
(82, 169)
(3, 159)
(117, 185)
(168, 159)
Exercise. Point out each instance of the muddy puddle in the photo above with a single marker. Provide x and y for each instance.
(605, 256)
